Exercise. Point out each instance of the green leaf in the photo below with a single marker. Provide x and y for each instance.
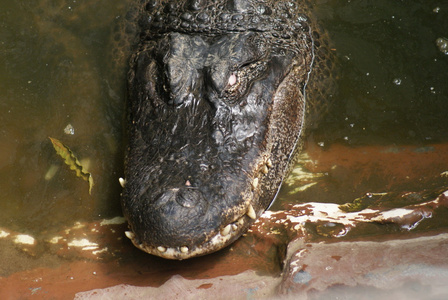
(71, 161)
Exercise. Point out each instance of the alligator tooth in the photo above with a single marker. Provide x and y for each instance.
(226, 230)
(251, 212)
(122, 182)
(234, 226)
(269, 163)
(184, 249)
(129, 234)
(255, 183)
(265, 169)
(161, 249)
(241, 221)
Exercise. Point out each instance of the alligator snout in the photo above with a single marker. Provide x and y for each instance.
(185, 204)
(184, 223)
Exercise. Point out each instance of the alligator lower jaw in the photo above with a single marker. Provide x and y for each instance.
(226, 236)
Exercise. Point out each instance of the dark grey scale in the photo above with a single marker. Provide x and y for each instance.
(278, 27)
(225, 17)
(302, 18)
(305, 28)
(297, 26)
(187, 17)
(170, 8)
(207, 28)
(203, 17)
(194, 26)
(316, 35)
(238, 22)
(286, 15)
(285, 36)
(158, 17)
(157, 25)
(230, 26)
(293, 35)
(267, 11)
(201, 27)
(265, 24)
(185, 24)
(316, 43)
(291, 5)
(145, 22)
(173, 21)
(260, 9)
(237, 18)
(151, 5)
(197, 4)
(241, 6)
(254, 20)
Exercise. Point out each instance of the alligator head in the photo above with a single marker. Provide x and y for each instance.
(216, 108)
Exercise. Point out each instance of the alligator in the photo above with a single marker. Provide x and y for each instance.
(216, 112)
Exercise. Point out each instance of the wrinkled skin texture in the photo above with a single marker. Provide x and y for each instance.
(216, 108)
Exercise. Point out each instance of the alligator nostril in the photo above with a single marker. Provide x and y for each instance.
(188, 198)
(165, 198)
(177, 217)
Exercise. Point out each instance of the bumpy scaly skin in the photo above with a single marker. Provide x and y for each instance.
(216, 108)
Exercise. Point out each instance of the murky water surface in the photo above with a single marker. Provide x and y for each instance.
(56, 81)
(393, 86)
(54, 76)
(392, 81)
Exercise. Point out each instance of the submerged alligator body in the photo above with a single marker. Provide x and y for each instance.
(216, 105)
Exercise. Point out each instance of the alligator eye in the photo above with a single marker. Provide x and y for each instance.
(241, 80)
(232, 79)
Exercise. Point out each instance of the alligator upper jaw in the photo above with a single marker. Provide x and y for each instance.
(203, 215)
(228, 234)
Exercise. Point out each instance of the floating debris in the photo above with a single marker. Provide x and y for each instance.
(397, 81)
(442, 44)
(71, 161)
(69, 129)
(51, 172)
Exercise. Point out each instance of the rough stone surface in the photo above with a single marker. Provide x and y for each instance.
(413, 269)
(247, 285)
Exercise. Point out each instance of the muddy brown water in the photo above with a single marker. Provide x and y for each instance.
(386, 130)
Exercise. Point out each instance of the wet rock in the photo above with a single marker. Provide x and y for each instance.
(247, 285)
(368, 269)
(329, 220)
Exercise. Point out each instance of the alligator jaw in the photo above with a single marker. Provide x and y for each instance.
(223, 238)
